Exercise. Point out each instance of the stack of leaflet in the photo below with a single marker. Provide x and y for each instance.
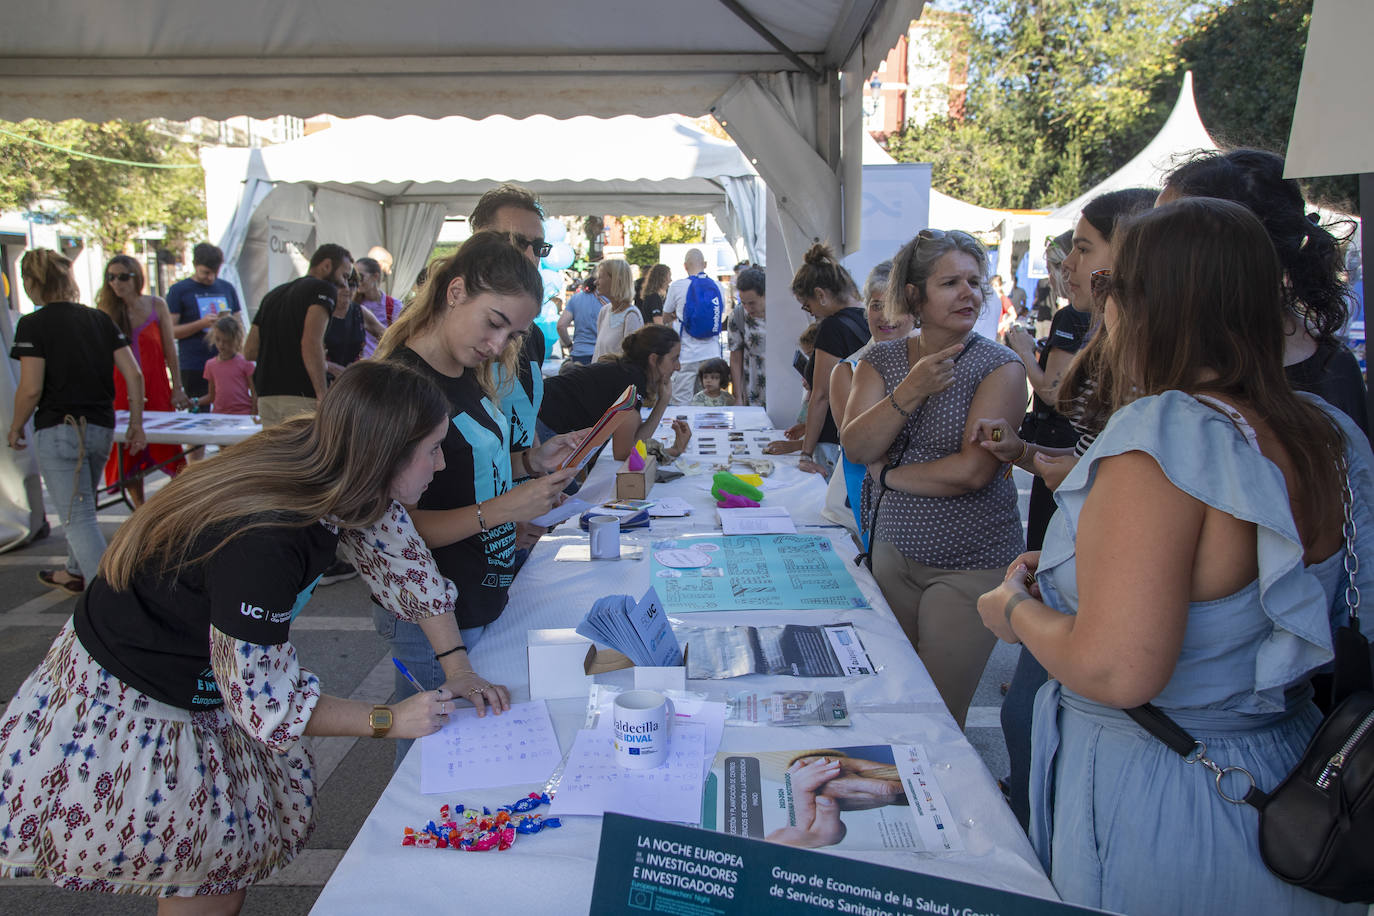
(638, 630)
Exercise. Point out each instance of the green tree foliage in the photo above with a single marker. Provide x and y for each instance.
(645, 233)
(112, 202)
(1246, 57)
(1061, 93)
(1064, 92)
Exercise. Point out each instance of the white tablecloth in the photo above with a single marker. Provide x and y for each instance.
(552, 872)
(170, 427)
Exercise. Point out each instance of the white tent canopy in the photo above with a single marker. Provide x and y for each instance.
(784, 76)
(1182, 133)
(371, 181)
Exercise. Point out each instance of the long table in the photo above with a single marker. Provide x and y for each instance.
(552, 872)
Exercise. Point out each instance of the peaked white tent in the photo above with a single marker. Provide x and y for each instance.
(1182, 133)
(372, 181)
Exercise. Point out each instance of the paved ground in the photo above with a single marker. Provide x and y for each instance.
(336, 640)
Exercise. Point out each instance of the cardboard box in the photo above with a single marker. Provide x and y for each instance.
(599, 661)
(557, 661)
(636, 484)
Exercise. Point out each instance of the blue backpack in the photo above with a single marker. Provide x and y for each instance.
(701, 311)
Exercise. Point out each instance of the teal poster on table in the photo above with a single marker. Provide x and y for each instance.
(645, 866)
(753, 573)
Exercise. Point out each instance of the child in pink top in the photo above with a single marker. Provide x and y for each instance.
(229, 374)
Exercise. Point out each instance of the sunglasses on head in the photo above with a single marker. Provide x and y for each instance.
(1100, 282)
(541, 247)
(124, 277)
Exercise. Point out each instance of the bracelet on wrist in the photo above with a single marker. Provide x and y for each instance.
(892, 399)
(481, 522)
(458, 648)
(1025, 447)
(529, 466)
(1012, 602)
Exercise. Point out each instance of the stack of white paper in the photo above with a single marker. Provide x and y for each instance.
(760, 520)
(518, 746)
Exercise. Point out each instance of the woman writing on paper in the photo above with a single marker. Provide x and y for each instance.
(157, 749)
(1234, 485)
(467, 317)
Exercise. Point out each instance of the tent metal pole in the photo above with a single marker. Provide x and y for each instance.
(748, 19)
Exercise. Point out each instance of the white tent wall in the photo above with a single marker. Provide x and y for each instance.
(410, 233)
(582, 165)
(350, 220)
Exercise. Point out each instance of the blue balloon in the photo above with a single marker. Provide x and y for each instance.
(554, 230)
(560, 257)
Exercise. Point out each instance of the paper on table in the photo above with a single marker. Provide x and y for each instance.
(761, 520)
(686, 708)
(573, 506)
(670, 507)
(593, 783)
(518, 746)
(934, 824)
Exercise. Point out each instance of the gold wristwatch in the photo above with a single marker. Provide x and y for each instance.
(380, 719)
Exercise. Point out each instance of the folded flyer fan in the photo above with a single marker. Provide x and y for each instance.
(638, 629)
(599, 433)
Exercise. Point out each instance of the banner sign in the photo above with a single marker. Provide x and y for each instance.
(650, 867)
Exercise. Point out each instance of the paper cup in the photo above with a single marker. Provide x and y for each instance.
(641, 729)
(605, 537)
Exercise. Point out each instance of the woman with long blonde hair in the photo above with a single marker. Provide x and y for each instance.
(157, 748)
(469, 316)
(615, 287)
(147, 324)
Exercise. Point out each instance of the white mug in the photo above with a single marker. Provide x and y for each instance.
(605, 537)
(641, 729)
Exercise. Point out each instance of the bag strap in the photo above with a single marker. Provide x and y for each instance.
(1352, 671)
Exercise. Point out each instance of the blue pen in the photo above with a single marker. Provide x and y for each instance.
(408, 676)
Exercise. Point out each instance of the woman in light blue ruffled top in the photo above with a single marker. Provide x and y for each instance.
(1195, 562)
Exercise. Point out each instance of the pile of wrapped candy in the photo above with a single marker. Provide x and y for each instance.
(469, 830)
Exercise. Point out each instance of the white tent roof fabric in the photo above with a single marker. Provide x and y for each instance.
(180, 58)
(421, 170)
(785, 75)
(1182, 133)
(581, 165)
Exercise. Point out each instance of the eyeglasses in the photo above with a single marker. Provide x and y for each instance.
(541, 248)
(1100, 282)
(353, 281)
(124, 277)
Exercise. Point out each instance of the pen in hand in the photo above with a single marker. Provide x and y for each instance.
(407, 675)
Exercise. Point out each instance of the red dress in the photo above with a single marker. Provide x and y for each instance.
(146, 342)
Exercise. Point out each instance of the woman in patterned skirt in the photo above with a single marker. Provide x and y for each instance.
(157, 749)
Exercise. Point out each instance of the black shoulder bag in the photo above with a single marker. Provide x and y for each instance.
(1316, 829)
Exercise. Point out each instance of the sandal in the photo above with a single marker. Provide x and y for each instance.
(74, 585)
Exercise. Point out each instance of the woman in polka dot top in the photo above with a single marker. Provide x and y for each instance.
(947, 524)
